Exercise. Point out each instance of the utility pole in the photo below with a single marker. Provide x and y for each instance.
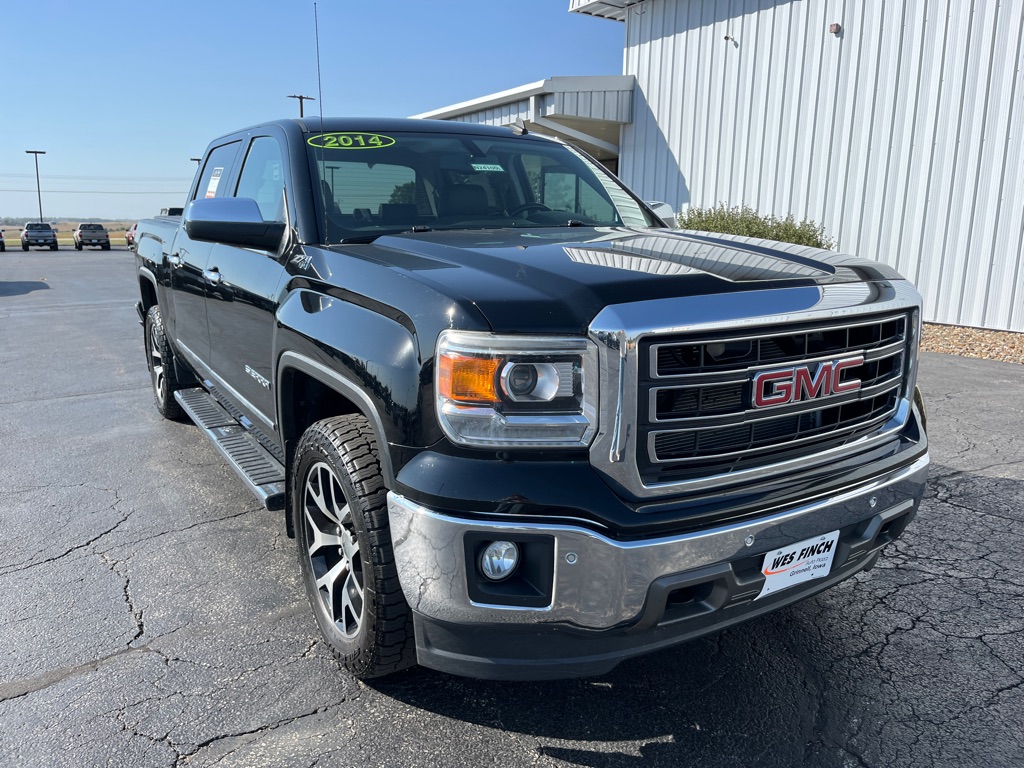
(302, 100)
(39, 192)
(197, 160)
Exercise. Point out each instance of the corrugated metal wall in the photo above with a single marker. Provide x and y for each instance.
(902, 135)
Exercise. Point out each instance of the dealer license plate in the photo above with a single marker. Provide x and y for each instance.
(806, 560)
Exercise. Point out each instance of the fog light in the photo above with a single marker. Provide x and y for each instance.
(499, 559)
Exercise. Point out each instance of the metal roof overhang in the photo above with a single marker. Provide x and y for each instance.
(606, 9)
(584, 111)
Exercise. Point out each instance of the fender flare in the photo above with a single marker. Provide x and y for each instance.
(295, 361)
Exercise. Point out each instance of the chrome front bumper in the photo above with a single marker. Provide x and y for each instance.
(600, 583)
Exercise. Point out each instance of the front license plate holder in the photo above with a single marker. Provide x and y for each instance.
(794, 564)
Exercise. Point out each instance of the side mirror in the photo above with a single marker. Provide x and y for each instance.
(232, 221)
(664, 212)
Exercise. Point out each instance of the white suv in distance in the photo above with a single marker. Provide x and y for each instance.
(38, 234)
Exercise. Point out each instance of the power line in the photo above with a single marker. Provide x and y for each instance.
(101, 191)
(98, 178)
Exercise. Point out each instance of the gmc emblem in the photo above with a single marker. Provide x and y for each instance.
(795, 385)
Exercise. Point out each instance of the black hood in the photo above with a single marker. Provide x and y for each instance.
(557, 280)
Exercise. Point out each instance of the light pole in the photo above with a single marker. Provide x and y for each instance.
(302, 99)
(197, 160)
(39, 192)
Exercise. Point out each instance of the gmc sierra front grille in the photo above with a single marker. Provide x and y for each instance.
(720, 402)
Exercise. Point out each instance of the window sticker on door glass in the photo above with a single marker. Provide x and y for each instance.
(211, 189)
(349, 140)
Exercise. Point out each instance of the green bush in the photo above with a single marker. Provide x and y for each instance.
(743, 220)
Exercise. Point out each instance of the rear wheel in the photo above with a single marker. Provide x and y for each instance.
(339, 507)
(78, 246)
(160, 359)
(24, 247)
(53, 247)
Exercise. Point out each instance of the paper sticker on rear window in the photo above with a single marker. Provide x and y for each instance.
(211, 189)
(487, 167)
(349, 140)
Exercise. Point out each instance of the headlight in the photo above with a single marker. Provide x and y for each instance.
(516, 391)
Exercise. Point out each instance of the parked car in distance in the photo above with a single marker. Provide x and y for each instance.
(129, 236)
(93, 235)
(38, 234)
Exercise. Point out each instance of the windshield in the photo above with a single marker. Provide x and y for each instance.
(372, 184)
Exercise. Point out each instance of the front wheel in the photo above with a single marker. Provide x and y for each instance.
(339, 507)
(160, 359)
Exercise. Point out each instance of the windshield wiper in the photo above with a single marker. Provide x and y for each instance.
(364, 239)
(361, 240)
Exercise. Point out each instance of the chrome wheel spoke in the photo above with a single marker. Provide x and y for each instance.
(351, 607)
(320, 538)
(156, 363)
(330, 579)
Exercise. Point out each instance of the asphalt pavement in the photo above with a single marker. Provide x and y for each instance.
(152, 613)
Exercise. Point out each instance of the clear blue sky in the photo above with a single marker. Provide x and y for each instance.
(121, 94)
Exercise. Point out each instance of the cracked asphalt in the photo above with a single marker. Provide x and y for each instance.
(153, 614)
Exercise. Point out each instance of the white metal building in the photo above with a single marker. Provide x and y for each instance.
(898, 124)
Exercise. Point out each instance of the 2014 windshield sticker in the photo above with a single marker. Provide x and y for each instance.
(349, 140)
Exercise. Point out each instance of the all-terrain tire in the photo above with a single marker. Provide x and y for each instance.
(339, 508)
(160, 360)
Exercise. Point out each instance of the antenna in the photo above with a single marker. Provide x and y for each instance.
(320, 100)
(319, 85)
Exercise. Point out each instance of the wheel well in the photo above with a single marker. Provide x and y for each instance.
(148, 291)
(305, 401)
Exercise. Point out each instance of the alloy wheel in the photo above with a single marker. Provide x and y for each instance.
(332, 549)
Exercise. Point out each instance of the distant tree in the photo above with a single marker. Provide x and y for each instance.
(404, 193)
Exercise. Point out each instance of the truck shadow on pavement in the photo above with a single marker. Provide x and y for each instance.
(21, 287)
(710, 702)
(858, 675)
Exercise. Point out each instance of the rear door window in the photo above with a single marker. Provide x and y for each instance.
(218, 164)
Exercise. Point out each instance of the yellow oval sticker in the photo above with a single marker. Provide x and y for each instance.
(349, 140)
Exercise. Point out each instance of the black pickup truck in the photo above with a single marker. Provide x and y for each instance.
(519, 428)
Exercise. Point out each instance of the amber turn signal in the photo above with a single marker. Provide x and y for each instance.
(468, 379)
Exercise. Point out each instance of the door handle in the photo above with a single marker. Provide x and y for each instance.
(174, 260)
(212, 276)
